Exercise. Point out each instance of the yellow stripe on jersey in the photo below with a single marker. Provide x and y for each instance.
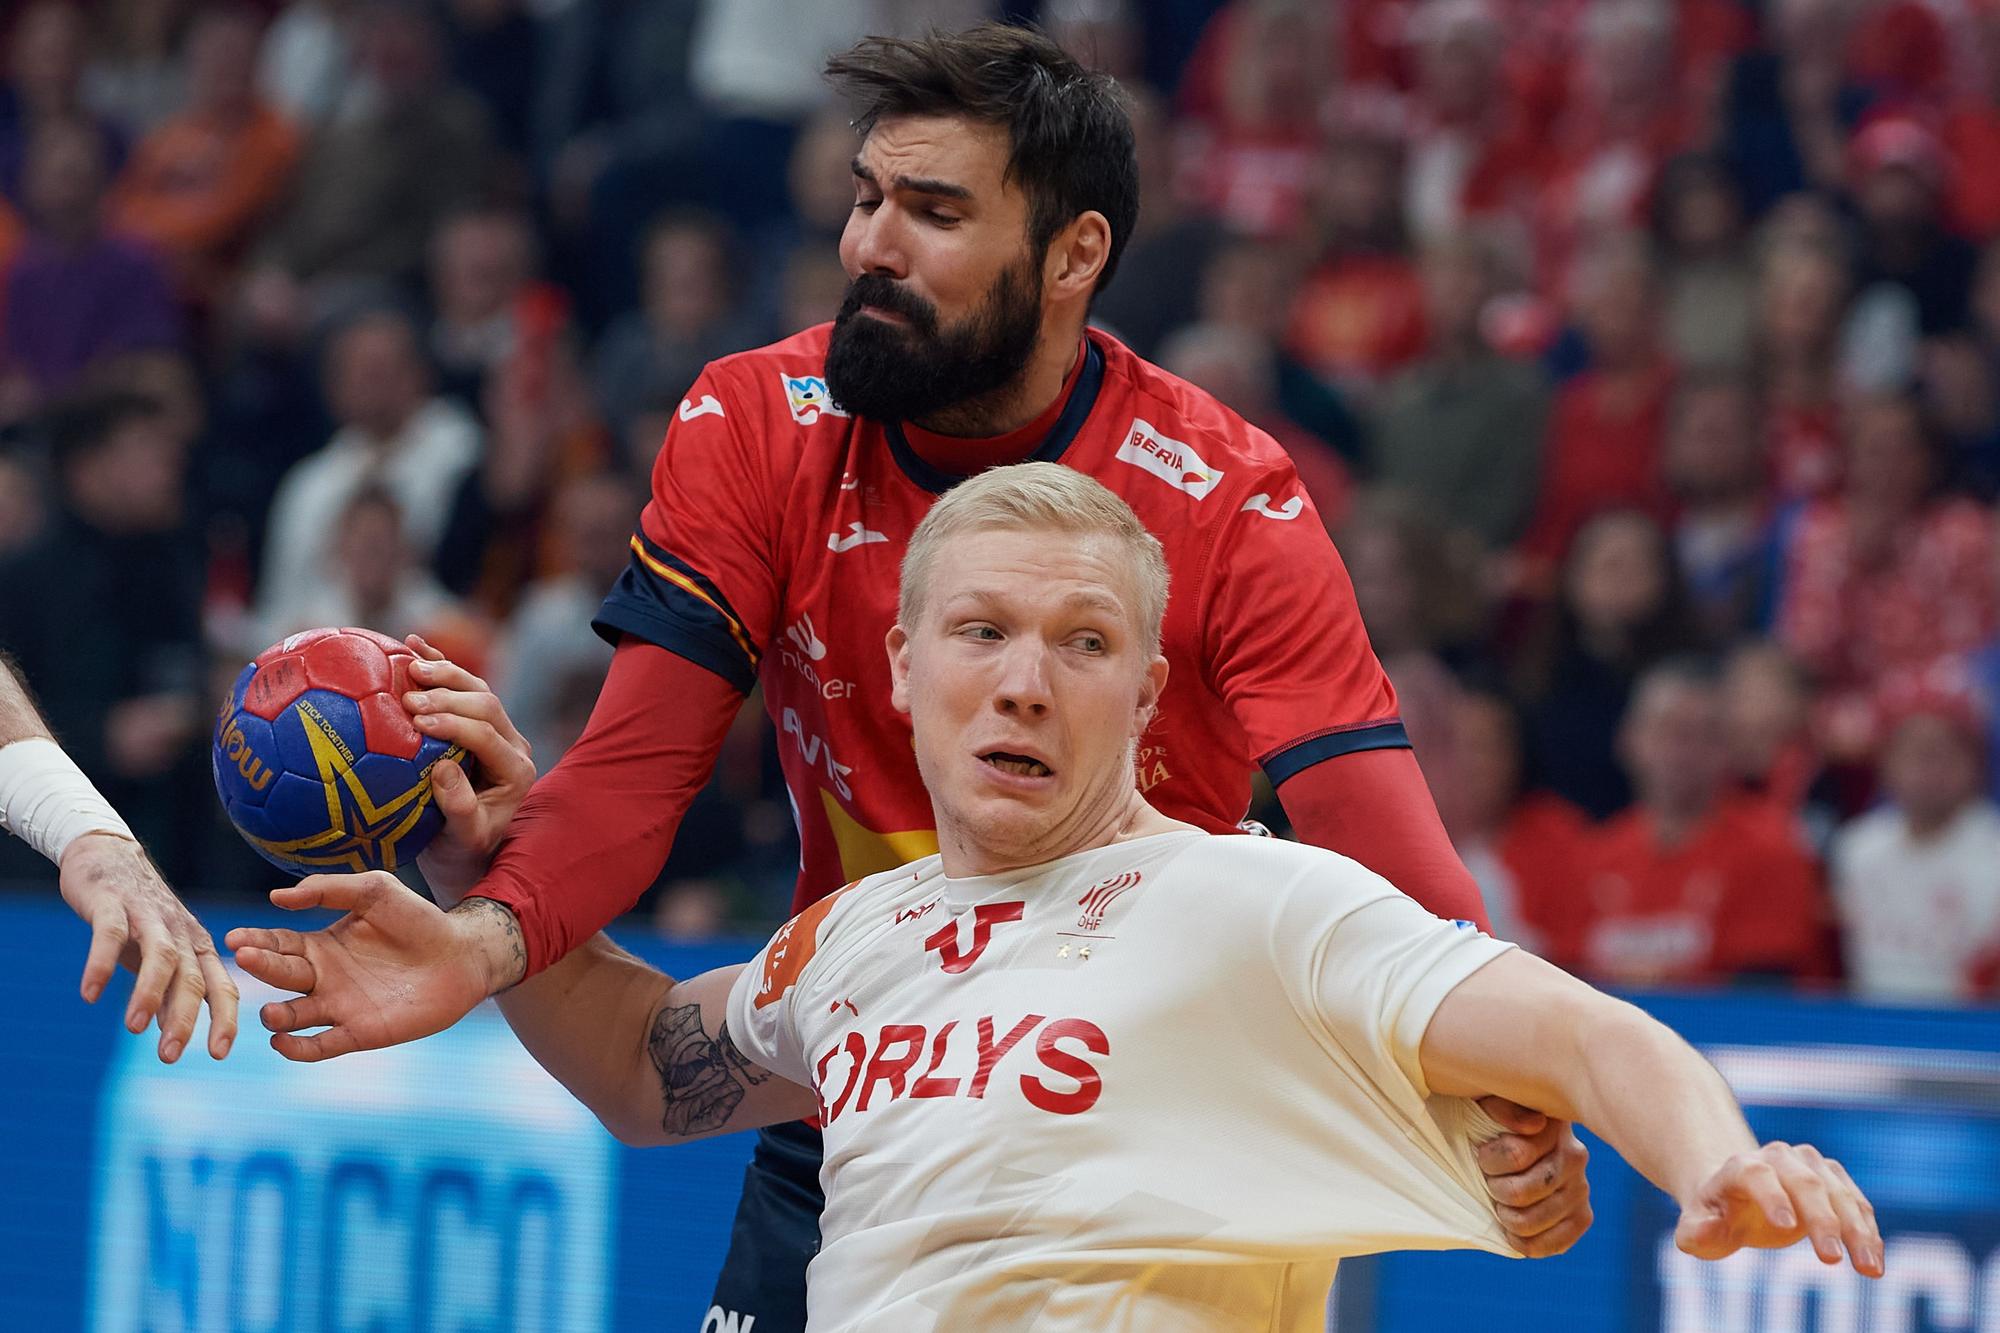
(865, 852)
(688, 586)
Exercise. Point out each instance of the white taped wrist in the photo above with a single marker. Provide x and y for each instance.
(47, 802)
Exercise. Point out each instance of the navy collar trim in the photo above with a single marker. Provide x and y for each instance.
(1053, 446)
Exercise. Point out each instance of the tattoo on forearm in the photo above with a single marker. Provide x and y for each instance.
(702, 1079)
(510, 927)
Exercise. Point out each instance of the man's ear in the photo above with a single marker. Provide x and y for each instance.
(1078, 255)
(1149, 693)
(898, 645)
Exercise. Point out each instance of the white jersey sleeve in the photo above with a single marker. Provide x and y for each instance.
(763, 1013)
(1367, 968)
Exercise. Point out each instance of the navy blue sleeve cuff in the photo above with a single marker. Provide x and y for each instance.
(1293, 760)
(643, 617)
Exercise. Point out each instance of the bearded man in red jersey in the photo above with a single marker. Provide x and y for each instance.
(995, 186)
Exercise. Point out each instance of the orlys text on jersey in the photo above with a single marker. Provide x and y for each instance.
(960, 1060)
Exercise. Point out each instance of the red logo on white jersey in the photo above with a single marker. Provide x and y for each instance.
(1098, 900)
(888, 1061)
(912, 913)
(984, 918)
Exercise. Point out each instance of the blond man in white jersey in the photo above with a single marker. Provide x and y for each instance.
(1087, 1067)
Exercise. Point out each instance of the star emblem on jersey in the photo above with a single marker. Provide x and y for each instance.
(1098, 899)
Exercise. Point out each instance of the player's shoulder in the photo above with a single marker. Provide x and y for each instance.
(1254, 865)
(1161, 403)
(874, 903)
(787, 377)
(1868, 837)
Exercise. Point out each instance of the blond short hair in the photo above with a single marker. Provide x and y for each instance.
(1039, 497)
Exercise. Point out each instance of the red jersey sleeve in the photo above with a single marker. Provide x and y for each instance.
(703, 578)
(595, 830)
(1284, 641)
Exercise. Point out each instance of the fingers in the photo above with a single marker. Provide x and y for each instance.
(1858, 1229)
(1542, 1214)
(1513, 1117)
(109, 929)
(1552, 1226)
(1531, 1164)
(502, 754)
(258, 937)
(421, 646)
(453, 792)
(342, 893)
(157, 960)
(285, 971)
(1798, 1172)
(181, 1007)
(321, 1046)
(307, 1011)
(222, 999)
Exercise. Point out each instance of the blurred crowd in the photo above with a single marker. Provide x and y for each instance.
(1642, 355)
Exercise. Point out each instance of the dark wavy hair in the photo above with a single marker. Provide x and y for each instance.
(1070, 134)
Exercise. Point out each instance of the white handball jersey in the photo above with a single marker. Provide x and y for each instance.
(1161, 1085)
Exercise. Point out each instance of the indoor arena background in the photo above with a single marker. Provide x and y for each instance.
(1604, 333)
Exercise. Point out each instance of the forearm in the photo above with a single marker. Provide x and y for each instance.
(1651, 1096)
(585, 1020)
(19, 720)
(1521, 1029)
(651, 1057)
(594, 832)
(45, 799)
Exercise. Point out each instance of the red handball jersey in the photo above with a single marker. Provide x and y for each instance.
(770, 550)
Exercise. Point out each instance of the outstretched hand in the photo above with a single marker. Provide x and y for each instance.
(136, 921)
(1775, 1197)
(393, 969)
(450, 703)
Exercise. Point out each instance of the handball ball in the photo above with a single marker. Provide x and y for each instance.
(316, 760)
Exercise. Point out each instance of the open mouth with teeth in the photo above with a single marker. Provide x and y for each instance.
(1018, 764)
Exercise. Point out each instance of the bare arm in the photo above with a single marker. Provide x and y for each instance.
(1538, 1036)
(650, 1056)
(18, 719)
(107, 879)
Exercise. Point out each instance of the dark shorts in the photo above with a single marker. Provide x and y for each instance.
(775, 1236)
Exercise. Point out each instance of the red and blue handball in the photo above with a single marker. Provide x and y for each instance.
(316, 760)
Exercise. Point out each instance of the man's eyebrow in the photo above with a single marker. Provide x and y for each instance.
(1087, 600)
(914, 184)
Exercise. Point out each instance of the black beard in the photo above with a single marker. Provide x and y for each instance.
(913, 372)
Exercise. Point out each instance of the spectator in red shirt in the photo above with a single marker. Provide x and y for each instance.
(1767, 708)
(1621, 124)
(1254, 93)
(1473, 153)
(1886, 578)
(1694, 884)
(1520, 846)
(1603, 445)
(1971, 133)
(1360, 313)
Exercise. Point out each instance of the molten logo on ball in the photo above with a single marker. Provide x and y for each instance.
(316, 760)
